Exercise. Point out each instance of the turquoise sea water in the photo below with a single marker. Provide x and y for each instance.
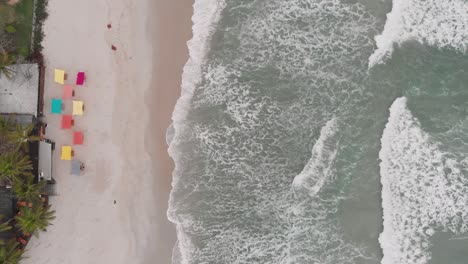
(302, 138)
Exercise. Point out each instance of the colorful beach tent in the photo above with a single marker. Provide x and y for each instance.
(75, 168)
(59, 76)
(56, 106)
(67, 153)
(77, 138)
(78, 107)
(80, 78)
(67, 121)
(67, 91)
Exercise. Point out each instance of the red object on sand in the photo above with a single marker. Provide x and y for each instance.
(67, 121)
(109, 26)
(22, 241)
(77, 138)
(114, 47)
(80, 78)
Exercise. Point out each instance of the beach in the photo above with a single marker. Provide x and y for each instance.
(115, 212)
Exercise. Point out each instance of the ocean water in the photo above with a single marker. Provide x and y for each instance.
(323, 131)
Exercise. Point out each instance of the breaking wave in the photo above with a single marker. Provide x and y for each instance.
(440, 23)
(320, 166)
(424, 189)
(206, 14)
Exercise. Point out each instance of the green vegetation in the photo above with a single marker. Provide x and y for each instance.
(16, 26)
(5, 61)
(33, 213)
(14, 165)
(41, 16)
(9, 253)
(28, 191)
(37, 218)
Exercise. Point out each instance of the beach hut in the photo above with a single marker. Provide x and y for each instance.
(80, 78)
(67, 153)
(76, 167)
(77, 138)
(59, 76)
(56, 106)
(78, 107)
(67, 121)
(68, 92)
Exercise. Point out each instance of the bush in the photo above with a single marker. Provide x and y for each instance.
(41, 16)
(10, 29)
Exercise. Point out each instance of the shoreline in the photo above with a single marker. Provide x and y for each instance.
(170, 57)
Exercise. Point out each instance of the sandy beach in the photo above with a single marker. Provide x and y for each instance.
(129, 95)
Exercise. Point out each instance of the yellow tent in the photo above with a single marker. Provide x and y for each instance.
(66, 153)
(59, 76)
(78, 107)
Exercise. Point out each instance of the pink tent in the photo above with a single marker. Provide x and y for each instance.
(80, 78)
(68, 91)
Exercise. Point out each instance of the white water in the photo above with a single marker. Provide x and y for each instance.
(320, 166)
(423, 190)
(440, 23)
(206, 15)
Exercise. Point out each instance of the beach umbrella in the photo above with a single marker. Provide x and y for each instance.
(67, 153)
(56, 106)
(75, 167)
(59, 76)
(80, 78)
(77, 138)
(68, 91)
(67, 121)
(78, 107)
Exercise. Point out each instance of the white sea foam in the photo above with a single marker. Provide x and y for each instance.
(320, 166)
(423, 190)
(441, 23)
(206, 15)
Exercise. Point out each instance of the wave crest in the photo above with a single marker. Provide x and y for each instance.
(440, 23)
(423, 190)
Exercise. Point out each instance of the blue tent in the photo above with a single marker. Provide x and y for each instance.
(56, 106)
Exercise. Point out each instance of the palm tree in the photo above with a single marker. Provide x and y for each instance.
(9, 253)
(5, 61)
(36, 218)
(21, 136)
(28, 191)
(13, 165)
(5, 226)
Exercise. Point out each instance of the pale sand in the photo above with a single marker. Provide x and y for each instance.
(125, 157)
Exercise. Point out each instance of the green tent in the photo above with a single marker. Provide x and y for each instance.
(56, 106)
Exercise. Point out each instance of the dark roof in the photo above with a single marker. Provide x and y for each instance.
(6, 203)
(6, 211)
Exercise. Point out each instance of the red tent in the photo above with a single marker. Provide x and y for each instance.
(67, 121)
(77, 138)
(80, 78)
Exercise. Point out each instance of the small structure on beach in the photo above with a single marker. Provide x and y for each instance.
(68, 91)
(67, 153)
(67, 121)
(78, 107)
(45, 161)
(19, 94)
(56, 106)
(80, 78)
(59, 76)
